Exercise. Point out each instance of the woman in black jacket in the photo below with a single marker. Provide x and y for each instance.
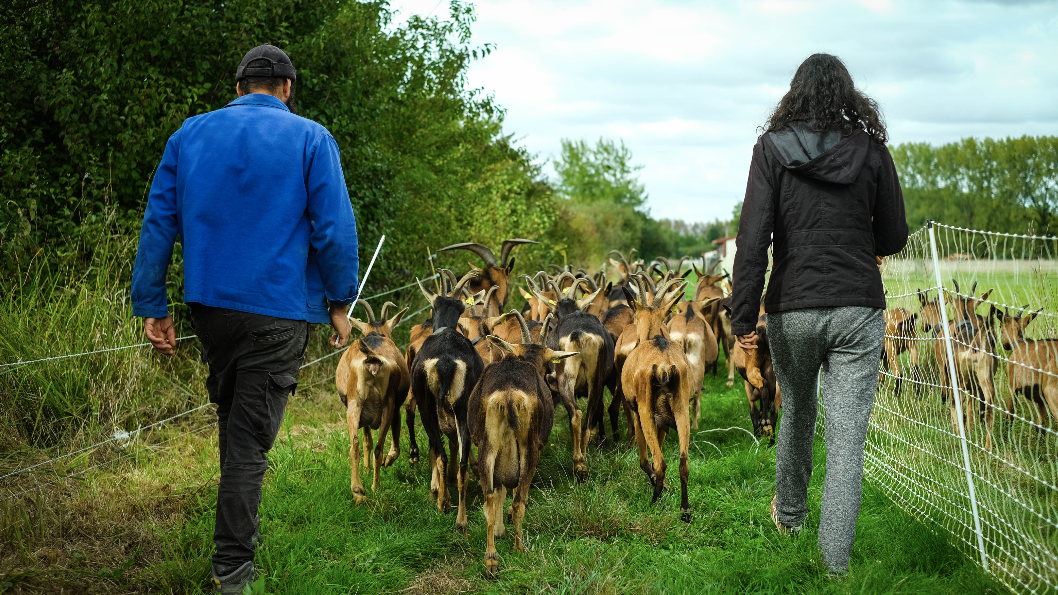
(823, 192)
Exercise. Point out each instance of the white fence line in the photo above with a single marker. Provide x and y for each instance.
(928, 444)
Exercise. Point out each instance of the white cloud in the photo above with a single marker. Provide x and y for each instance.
(686, 83)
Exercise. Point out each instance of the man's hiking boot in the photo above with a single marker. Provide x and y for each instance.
(234, 582)
(781, 528)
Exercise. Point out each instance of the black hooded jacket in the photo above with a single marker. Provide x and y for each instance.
(829, 204)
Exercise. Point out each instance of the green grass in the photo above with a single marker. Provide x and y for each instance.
(603, 536)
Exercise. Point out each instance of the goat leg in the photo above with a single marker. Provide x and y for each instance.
(463, 437)
(394, 446)
(383, 429)
(352, 418)
(493, 508)
(409, 411)
(684, 435)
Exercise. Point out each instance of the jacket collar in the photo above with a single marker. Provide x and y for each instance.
(260, 99)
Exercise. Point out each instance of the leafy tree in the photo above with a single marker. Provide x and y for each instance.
(1008, 185)
(95, 88)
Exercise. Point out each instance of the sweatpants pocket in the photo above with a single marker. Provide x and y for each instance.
(277, 391)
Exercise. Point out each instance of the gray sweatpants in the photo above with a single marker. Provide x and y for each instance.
(846, 344)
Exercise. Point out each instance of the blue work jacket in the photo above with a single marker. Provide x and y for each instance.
(259, 200)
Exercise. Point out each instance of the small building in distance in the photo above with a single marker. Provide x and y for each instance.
(725, 251)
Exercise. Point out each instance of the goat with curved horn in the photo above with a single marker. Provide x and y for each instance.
(367, 308)
(495, 273)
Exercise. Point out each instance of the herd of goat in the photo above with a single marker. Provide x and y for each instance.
(480, 376)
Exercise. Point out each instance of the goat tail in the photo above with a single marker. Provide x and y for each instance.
(512, 415)
(448, 375)
(575, 338)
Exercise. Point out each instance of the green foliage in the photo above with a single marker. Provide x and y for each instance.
(96, 88)
(600, 204)
(1008, 185)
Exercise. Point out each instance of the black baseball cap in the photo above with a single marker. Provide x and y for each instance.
(281, 65)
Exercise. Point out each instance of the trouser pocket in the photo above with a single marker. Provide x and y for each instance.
(278, 389)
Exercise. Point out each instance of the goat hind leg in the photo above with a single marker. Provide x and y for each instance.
(352, 418)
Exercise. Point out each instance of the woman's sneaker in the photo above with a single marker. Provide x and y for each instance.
(781, 528)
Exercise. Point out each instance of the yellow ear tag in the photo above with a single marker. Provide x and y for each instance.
(469, 301)
(675, 309)
(552, 302)
(555, 360)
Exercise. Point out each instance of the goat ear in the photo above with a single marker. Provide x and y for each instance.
(393, 322)
(586, 301)
(1034, 315)
(687, 274)
(472, 267)
(509, 267)
(464, 326)
(995, 312)
(500, 343)
(984, 296)
(921, 297)
(609, 288)
(525, 294)
(557, 356)
(495, 320)
(360, 325)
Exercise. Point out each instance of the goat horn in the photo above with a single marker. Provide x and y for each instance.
(679, 263)
(385, 310)
(1022, 310)
(592, 285)
(448, 280)
(482, 251)
(526, 337)
(367, 308)
(544, 332)
(508, 245)
(620, 255)
(488, 298)
(430, 297)
(462, 282)
(557, 268)
(659, 293)
(530, 283)
(572, 291)
(713, 267)
(956, 283)
(663, 261)
(974, 288)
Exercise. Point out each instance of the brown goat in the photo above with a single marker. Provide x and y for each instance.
(974, 348)
(656, 380)
(496, 273)
(900, 336)
(373, 381)
(1033, 367)
(762, 388)
(690, 328)
(510, 415)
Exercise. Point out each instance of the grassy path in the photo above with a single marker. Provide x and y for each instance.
(600, 537)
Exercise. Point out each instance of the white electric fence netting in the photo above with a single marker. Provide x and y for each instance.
(125, 438)
(964, 310)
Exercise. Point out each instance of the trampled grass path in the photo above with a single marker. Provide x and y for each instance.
(603, 536)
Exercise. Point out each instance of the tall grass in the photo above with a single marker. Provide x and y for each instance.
(76, 304)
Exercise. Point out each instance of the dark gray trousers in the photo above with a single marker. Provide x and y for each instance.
(253, 364)
(846, 344)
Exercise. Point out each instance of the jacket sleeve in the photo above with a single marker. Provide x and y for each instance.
(889, 221)
(157, 235)
(751, 246)
(333, 236)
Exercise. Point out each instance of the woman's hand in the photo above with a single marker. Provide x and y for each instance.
(878, 260)
(748, 341)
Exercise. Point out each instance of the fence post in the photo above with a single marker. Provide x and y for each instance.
(956, 400)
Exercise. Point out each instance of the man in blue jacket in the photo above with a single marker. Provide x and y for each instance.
(258, 198)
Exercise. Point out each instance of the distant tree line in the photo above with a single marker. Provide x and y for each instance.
(1007, 185)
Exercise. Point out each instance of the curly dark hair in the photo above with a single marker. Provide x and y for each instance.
(822, 92)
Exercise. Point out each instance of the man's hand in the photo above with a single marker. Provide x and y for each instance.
(878, 260)
(340, 324)
(748, 341)
(161, 333)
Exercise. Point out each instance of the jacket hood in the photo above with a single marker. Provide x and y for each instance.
(825, 156)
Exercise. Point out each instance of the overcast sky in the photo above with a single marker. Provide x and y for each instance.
(685, 84)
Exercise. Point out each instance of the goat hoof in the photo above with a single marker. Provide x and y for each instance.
(359, 495)
(462, 528)
(730, 383)
(518, 547)
(492, 564)
(686, 516)
(390, 459)
(580, 470)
